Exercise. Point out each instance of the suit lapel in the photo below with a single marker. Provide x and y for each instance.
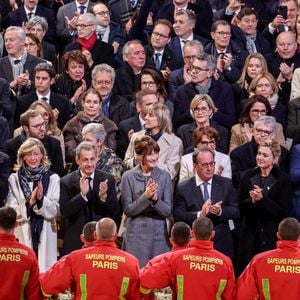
(7, 69)
(215, 194)
(197, 194)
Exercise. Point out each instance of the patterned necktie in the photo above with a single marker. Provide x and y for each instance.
(81, 9)
(205, 191)
(157, 60)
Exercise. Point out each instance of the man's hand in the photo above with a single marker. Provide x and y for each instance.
(103, 187)
(234, 5)
(286, 71)
(205, 208)
(187, 74)
(71, 24)
(23, 79)
(84, 185)
(215, 208)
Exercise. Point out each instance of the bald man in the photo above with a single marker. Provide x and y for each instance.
(99, 272)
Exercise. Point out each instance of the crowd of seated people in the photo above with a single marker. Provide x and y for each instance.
(102, 114)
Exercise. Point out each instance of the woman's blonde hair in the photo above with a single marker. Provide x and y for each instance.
(199, 98)
(241, 81)
(162, 113)
(27, 147)
(258, 77)
(274, 147)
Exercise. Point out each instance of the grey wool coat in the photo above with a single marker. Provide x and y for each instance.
(146, 230)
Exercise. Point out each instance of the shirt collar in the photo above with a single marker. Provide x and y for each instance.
(40, 96)
(92, 175)
(27, 11)
(199, 181)
(86, 4)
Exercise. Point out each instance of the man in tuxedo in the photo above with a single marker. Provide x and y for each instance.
(31, 8)
(209, 195)
(33, 125)
(86, 195)
(144, 99)
(44, 75)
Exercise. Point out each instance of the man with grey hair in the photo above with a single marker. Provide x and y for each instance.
(18, 66)
(203, 68)
(244, 156)
(86, 194)
(127, 76)
(95, 51)
(114, 107)
(107, 160)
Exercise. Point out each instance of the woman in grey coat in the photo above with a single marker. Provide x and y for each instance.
(146, 194)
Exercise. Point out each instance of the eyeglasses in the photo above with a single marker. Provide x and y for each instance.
(161, 36)
(223, 33)
(104, 82)
(263, 132)
(148, 83)
(83, 25)
(207, 165)
(208, 143)
(200, 109)
(190, 57)
(103, 13)
(198, 69)
(39, 126)
(257, 111)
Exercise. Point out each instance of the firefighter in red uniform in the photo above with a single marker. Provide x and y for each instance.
(180, 238)
(274, 274)
(19, 271)
(98, 272)
(198, 272)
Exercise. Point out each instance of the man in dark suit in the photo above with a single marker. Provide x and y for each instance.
(33, 125)
(144, 99)
(114, 107)
(44, 75)
(208, 195)
(4, 173)
(86, 195)
(5, 104)
(184, 24)
(158, 53)
(202, 70)
(30, 9)
(96, 51)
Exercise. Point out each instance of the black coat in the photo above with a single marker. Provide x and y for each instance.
(4, 173)
(52, 146)
(260, 220)
(119, 109)
(75, 209)
(189, 200)
(60, 102)
(244, 158)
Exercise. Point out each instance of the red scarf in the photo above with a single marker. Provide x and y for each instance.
(87, 44)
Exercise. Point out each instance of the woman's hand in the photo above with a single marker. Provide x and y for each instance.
(256, 194)
(151, 190)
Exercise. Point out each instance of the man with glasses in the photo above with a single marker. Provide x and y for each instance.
(158, 53)
(230, 58)
(114, 107)
(108, 31)
(202, 82)
(244, 156)
(210, 195)
(34, 126)
(95, 51)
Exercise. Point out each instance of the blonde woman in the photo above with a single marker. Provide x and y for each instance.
(34, 194)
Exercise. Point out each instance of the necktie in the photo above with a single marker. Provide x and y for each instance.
(44, 98)
(205, 191)
(89, 196)
(81, 9)
(16, 61)
(30, 15)
(157, 60)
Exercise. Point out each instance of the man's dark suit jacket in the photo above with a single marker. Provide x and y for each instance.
(220, 92)
(52, 147)
(174, 81)
(169, 59)
(122, 134)
(189, 201)
(58, 101)
(49, 52)
(5, 103)
(75, 209)
(244, 158)
(119, 109)
(102, 53)
(4, 173)
(18, 17)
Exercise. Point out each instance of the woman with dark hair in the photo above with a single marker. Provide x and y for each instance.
(32, 44)
(92, 112)
(265, 198)
(146, 194)
(34, 194)
(254, 107)
(75, 79)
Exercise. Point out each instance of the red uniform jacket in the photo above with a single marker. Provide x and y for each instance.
(99, 272)
(198, 272)
(19, 271)
(273, 274)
